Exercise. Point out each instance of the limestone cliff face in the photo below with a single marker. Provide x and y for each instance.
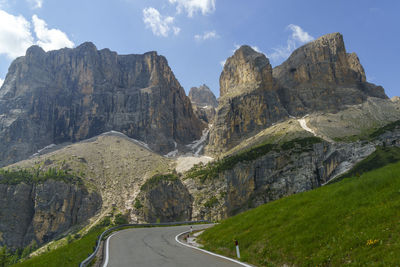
(322, 76)
(249, 100)
(202, 96)
(276, 174)
(204, 102)
(164, 201)
(319, 76)
(246, 69)
(73, 94)
(42, 211)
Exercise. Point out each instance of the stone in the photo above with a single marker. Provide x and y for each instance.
(318, 77)
(322, 76)
(204, 102)
(167, 201)
(41, 212)
(69, 95)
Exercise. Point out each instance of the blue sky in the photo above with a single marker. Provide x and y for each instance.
(196, 36)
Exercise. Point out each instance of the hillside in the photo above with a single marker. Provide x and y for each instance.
(111, 169)
(353, 222)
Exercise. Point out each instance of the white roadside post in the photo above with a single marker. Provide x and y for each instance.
(237, 249)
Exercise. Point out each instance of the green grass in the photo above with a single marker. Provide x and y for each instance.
(67, 255)
(214, 168)
(331, 226)
(389, 127)
(382, 156)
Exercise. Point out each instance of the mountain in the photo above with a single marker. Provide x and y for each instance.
(318, 77)
(103, 123)
(108, 171)
(74, 94)
(204, 102)
(248, 102)
(322, 76)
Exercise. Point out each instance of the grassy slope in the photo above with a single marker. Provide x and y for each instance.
(381, 157)
(329, 226)
(68, 255)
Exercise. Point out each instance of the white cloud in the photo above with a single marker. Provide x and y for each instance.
(206, 36)
(255, 48)
(298, 37)
(15, 35)
(50, 39)
(160, 25)
(222, 63)
(36, 3)
(193, 6)
(298, 34)
(1, 82)
(176, 30)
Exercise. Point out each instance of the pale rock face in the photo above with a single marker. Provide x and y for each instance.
(245, 69)
(322, 76)
(318, 77)
(73, 94)
(395, 99)
(204, 102)
(43, 211)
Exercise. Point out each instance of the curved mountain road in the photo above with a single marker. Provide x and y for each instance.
(156, 246)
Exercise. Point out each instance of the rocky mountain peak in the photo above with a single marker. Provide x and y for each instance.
(203, 96)
(319, 76)
(69, 95)
(204, 102)
(87, 46)
(324, 60)
(244, 70)
(395, 99)
(34, 50)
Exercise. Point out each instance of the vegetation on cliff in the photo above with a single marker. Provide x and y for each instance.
(156, 179)
(34, 176)
(360, 228)
(381, 157)
(389, 127)
(214, 168)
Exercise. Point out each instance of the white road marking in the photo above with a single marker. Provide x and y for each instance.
(107, 248)
(208, 252)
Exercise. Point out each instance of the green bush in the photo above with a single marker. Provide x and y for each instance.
(138, 204)
(120, 219)
(211, 202)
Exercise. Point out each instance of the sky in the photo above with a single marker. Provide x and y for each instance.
(197, 36)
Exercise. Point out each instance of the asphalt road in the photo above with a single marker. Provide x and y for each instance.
(146, 247)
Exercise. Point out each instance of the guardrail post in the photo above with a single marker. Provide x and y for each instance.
(237, 249)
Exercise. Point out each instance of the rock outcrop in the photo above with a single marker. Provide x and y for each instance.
(204, 102)
(319, 76)
(249, 100)
(73, 94)
(278, 173)
(40, 212)
(322, 76)
(164, 199)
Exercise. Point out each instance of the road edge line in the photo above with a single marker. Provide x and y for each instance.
(107, 243)
(209, 252)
